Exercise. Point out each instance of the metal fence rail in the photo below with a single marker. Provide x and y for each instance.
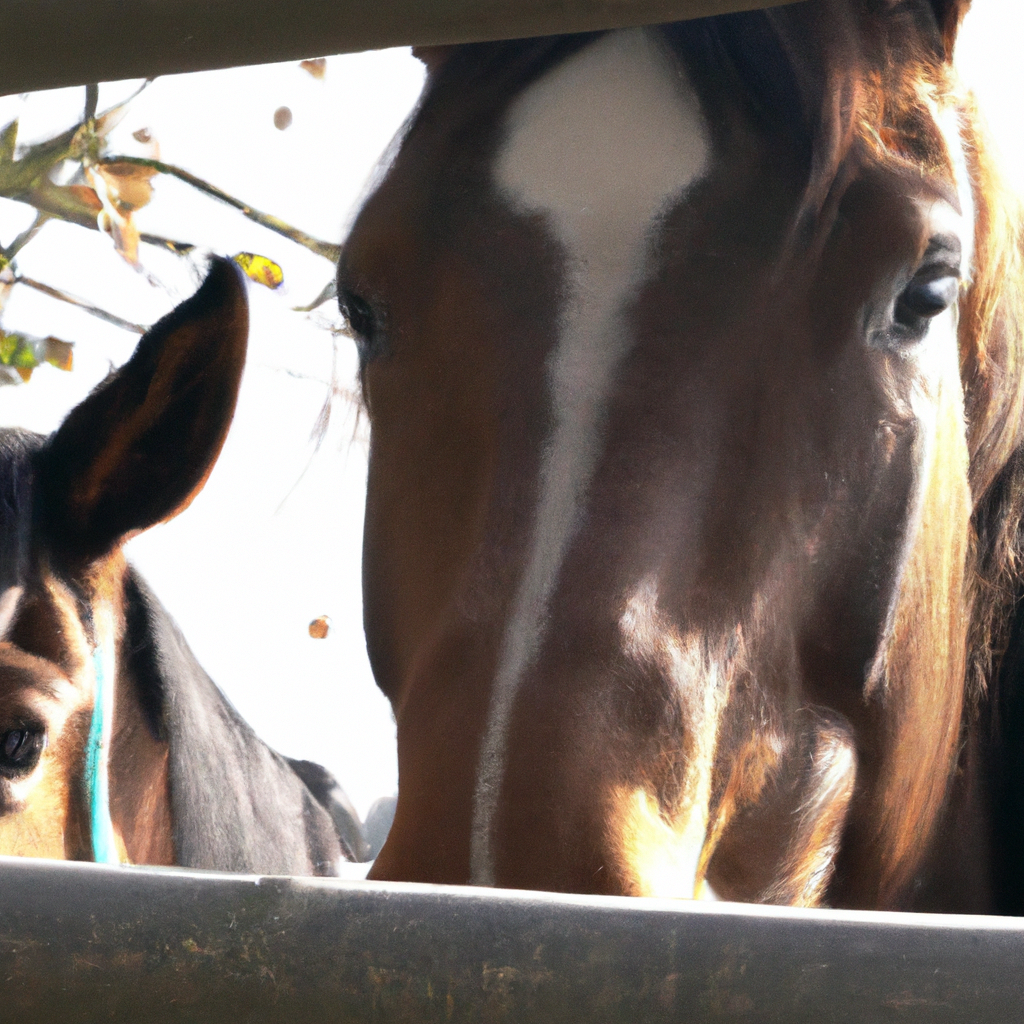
(83, 943)
(49, 43)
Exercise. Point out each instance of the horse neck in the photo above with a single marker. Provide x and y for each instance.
(259, 816)
(140, 806)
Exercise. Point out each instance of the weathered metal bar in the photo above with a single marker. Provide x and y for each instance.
(88, 943)
(49, 43)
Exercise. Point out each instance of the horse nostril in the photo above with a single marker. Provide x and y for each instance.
(20, 749)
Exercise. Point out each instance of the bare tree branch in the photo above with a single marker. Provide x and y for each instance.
(63, 202)
(329, 291)
(178, 248)
(88, 307)
(327, 250)
(25, 237)
(20, 176)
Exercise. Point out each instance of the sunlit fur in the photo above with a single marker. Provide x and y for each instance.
(708, 748)
(963, 577)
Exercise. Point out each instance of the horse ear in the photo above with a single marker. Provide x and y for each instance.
(949, 14)
(433, 56)
(140, 447)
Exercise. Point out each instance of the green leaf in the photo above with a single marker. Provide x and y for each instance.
(8, 346)
(19, 176)
(23, 353)
(25, 358)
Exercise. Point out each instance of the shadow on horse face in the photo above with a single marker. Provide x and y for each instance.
(133, 454)
(668, 564)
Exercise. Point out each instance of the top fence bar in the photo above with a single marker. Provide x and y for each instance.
(51, 43)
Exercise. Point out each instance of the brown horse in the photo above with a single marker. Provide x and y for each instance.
(114, 744)
(692, 356)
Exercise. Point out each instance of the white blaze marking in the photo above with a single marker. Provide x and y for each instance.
(603, 145)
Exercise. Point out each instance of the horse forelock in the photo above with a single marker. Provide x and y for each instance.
(868, 84)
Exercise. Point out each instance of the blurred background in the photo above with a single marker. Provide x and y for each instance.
(273, 542)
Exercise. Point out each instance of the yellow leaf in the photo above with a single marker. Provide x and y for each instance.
(260, 269)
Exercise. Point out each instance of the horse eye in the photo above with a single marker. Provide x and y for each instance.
(20, 749)
(926, 297)
(363, 324)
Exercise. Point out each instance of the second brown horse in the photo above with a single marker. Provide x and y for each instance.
(114, 743)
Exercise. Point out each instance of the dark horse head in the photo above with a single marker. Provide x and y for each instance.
(114, 744)
(692, 360)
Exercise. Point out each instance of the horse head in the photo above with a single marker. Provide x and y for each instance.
(134, 453)
(692, 364)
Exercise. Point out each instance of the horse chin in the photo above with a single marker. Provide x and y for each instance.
(659, 857)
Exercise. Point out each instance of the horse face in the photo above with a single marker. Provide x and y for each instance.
(667, 465)
(133, 454)
(44, 720)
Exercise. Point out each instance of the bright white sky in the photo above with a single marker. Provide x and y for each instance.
(274, 540)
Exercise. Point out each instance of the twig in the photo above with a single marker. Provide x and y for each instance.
(330, 290)
(92, 100)
(178, 248)
(88, 307)
(22, 175)
(58, 203)
(325, 249)
(25, 237)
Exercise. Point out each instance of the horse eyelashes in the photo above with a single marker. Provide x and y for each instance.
(363, 325)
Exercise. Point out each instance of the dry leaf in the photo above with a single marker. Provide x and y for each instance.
(320, 627)
(122, 189)
(87, 196)
(317, 67)
(22, 353)
(60, 354)
(129, 186)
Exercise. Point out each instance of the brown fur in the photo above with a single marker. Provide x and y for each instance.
(798, 709)
(134, 453)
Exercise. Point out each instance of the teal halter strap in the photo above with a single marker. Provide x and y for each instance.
(97, 751)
